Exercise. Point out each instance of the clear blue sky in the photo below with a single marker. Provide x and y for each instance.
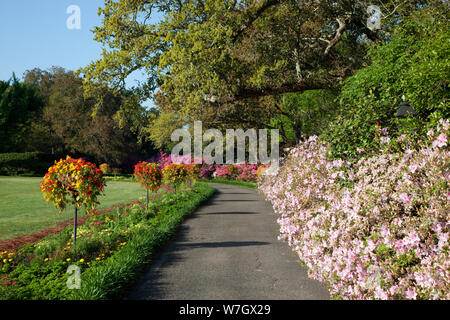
(33, 33)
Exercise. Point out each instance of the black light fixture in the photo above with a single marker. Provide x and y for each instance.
(405, 110)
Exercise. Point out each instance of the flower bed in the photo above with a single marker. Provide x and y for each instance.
(111, 250)
(235, 172)
(378, 229)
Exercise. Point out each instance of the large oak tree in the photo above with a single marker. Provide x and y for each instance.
(223, 61)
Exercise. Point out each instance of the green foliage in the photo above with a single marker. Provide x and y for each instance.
(306, 113)
(67, 123)
(160, 130)
(28, 162)
(44, 281)
(19, 103)
(413, 63)
(48, 246)
(217, 59)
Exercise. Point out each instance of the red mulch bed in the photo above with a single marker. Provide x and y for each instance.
(12, 245)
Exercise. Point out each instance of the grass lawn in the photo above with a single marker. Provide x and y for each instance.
(23, 210)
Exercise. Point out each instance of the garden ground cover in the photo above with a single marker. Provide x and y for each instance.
(111, 250)
(24, 211)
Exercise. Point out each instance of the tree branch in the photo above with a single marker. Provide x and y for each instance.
(337, 37)
(267, 4)
(299, 86)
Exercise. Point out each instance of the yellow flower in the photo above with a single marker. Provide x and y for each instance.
(9, 260)
(4, 260)
(68, 259)
(46, 259)
(97, 259)
(370, 91)
(81, 260)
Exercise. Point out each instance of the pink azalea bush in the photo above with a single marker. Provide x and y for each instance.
(162, 159)
(223, 171)
(247, 172)
(378, 229)
(242, 172)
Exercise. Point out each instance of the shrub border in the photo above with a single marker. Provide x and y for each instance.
(108, 280)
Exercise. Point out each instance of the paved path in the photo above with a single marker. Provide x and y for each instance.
(228, 249)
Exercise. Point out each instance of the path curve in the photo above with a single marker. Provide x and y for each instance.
(228, 250)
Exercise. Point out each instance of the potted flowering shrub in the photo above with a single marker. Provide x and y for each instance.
(73, 181)
(175, 174)
(193, 171)
(149, 175)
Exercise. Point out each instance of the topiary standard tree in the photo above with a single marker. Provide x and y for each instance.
(73, 181)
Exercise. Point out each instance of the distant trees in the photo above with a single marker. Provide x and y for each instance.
(20, 105)
(49, 113)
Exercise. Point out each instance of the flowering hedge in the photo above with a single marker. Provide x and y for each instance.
(73, 180)
(193, 171)
(378, 229)
(243, 172)
(149, 175)
(175, 174)
(247, 172)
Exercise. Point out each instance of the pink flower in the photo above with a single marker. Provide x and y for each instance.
(385, 140)
(410, 294)
(403, 197)
(441, 141)
(413, 168)
(401, 138)
(393, 290)
(380, 294)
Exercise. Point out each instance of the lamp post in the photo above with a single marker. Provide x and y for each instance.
(404, 111)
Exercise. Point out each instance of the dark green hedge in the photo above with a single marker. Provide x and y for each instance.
(33, 163)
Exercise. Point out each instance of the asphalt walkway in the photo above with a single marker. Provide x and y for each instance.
(228, 249)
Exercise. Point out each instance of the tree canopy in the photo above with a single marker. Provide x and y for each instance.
(229, 62)
(19, 104)
(214, 51)
(66, 123)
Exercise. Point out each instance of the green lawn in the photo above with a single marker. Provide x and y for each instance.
(23, 210)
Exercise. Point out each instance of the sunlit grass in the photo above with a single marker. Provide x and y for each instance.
(23, 209)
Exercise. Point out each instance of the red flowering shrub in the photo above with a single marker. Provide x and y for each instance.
(149, 175)
(73, 180)
(175, 174)
(193, 171)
